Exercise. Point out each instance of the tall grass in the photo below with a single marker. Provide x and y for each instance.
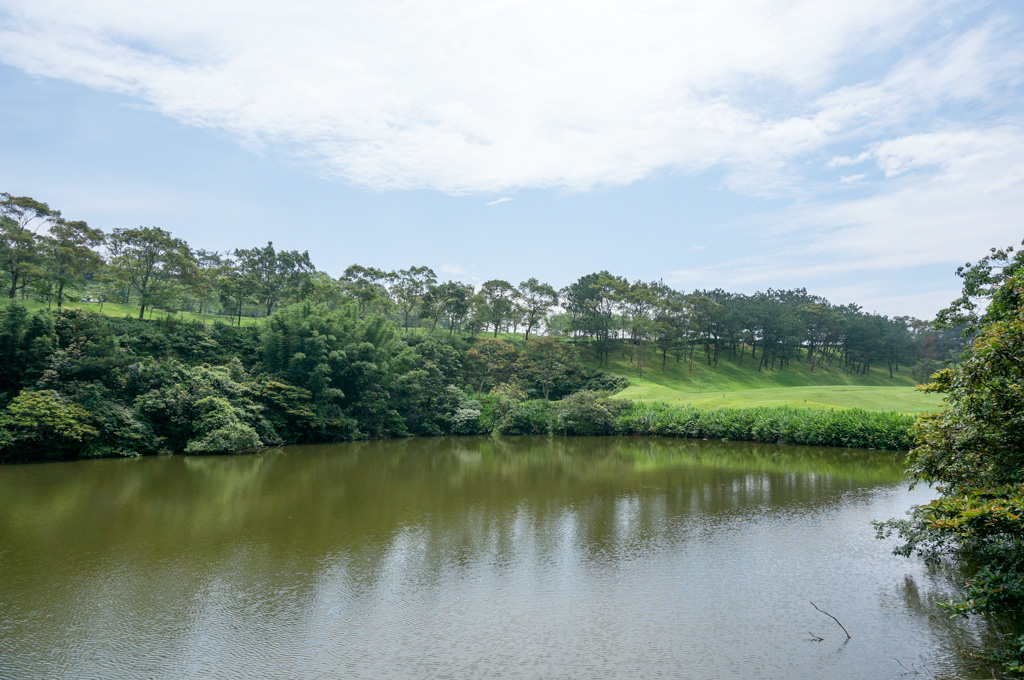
(849, 428)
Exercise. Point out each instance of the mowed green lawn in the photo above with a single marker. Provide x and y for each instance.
(736, 385)
(901, 399)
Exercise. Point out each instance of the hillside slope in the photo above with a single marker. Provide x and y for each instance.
(739, 385)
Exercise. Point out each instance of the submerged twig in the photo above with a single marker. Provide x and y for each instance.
(833, 618)
(915, 672)
(815, 638)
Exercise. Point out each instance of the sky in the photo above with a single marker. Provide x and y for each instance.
(859, 150)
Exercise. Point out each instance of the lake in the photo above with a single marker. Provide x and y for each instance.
(527, 557)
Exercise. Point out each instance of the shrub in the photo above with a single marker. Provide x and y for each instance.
(853, 428)
(37, 425)
(528, 417)
(588, 413)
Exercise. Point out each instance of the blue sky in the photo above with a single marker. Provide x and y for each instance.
(861, 150)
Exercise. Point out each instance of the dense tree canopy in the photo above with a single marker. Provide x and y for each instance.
(46, 257)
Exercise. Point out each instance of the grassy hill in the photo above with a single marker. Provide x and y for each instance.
(734, 385)
(114, 309)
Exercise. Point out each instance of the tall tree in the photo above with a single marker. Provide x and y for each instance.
(148, 260)
(367, 285)
(536, 299)
(408, 289)
(274, 276)
(20, 218)
(639, 302)
(69, 253)
(496, 297)
(209, 265)
(233, 288)
(456, 301)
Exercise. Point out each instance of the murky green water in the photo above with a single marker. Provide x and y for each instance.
(466, 558)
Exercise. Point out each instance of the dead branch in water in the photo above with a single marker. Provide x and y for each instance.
(833, 618)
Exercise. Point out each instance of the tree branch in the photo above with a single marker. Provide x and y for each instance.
(833, 618)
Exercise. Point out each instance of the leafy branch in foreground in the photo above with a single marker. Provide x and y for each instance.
(974, 452)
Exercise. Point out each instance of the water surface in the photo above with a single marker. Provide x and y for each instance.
(471, 557)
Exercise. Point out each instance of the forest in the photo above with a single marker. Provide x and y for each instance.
(227, 352)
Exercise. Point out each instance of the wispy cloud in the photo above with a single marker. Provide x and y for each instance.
(503, 199)
(466, 97)
(456, 271)
(953, 195)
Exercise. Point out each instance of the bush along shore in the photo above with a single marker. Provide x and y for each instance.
(74, 384)
(591, 413)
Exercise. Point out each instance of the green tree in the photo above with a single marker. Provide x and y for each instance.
(149, 260)
(324, 290)
(454, 300)
(495, 303)
(69, 253)
(639, 300)
(408, 289)
(974, 451)
(545, 362)
(20, 217)
(42, 425)
(490, 363)
(233, 288)
(986, 280)
(275, 276)
(203, 285)
(27, 342)
(536, 299)
(367, 286)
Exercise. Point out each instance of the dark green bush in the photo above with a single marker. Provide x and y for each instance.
(849, 428)
(588, 413)
(528, 417)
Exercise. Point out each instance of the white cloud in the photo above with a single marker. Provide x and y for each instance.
(503, 199)
(953, 195)
(465, 96)
(455, 271)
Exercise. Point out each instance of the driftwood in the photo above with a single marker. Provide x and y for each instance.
(833, 618)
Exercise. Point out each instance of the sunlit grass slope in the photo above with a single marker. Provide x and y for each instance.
(114, 309)
(735, 385)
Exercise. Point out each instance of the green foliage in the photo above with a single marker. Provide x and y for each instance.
(989, 278)
(42, 424)
(218, 429)
(464, 413)
(852, 428)
(974, 451)
(588, 413)
(194, 408)
(122, 432)
(289, 410)
(535, 416)
(150, 261)
(271, 276)
(27, 342)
